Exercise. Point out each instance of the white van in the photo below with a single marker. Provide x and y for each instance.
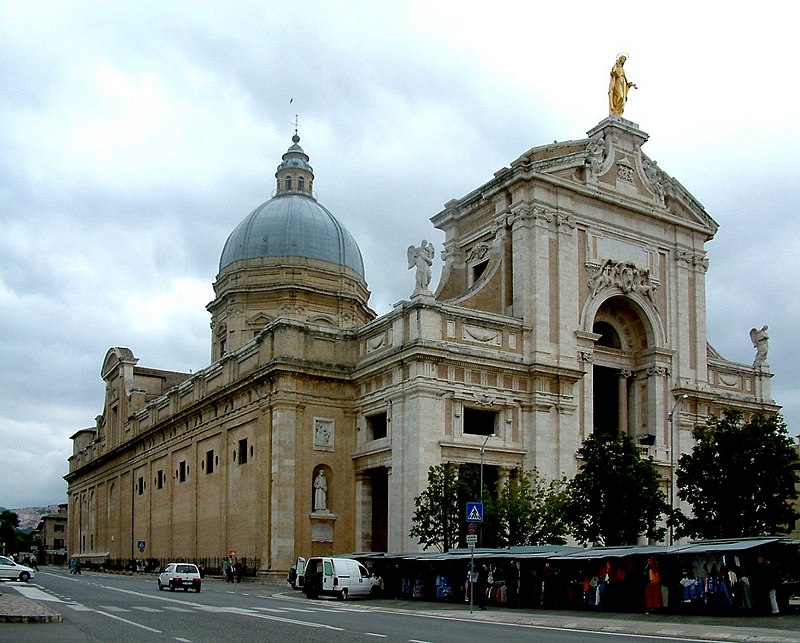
(340, 577)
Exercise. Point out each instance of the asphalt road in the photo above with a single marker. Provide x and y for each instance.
(101, 607)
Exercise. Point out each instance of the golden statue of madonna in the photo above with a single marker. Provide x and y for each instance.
(618, 87)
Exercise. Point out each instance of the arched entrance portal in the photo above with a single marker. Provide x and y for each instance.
(620, 369)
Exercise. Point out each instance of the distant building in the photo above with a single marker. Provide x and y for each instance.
(795, 532)
(572, 300)
(50, 537)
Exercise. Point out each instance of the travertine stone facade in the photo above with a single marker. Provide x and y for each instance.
(572, 299)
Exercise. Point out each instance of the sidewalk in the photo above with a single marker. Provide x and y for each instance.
(15, 608)
(762, 629)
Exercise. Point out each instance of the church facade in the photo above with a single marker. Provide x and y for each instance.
(572, 300)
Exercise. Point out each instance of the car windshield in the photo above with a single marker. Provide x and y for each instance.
(6, 561)
(187, 569)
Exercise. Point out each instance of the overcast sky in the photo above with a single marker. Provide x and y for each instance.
(135, 136)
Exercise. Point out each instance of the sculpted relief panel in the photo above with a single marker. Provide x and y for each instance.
(624, 275)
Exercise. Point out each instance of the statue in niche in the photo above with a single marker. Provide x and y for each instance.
(320, 492)
(618, 87)
(421, 258)
(760, 340)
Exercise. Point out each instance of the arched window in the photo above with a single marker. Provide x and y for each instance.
(301, 184)
(288, 183)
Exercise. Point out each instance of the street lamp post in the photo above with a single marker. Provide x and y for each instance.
(483, 448)
(671, 418)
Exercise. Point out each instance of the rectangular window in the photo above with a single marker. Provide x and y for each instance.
(223, 348)
(479, 421)
(160, 479)
(243, 451)
(377, 426)
(182, 471)
(58, 528)
(210, 461)
(140, 485)
(58, 543)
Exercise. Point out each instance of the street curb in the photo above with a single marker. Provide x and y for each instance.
(15, 608)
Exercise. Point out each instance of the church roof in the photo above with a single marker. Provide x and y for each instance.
(293, 223)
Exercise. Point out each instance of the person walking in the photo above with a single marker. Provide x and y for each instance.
(481, 585)
(227, 569)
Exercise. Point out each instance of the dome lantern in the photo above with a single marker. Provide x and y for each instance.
(294, 174)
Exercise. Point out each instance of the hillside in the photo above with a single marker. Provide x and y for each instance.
(29, 517)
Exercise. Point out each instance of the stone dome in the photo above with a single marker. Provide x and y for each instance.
(293, 223)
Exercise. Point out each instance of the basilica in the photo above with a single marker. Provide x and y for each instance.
(571, 300)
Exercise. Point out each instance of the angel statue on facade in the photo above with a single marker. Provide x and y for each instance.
(760, 340)
(421, 258)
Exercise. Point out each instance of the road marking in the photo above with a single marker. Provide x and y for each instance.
(178, 609)
(142, 608)
(226, 610)
(125, 620)
(280, 619)
(35, 593)
(113, 608)
(79, 608)
(380, 636)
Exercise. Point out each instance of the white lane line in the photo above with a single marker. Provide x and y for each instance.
(79, 608)
(178, 609)
(178, 638)
(269, 609)
(142, 608)
(113, 608)
(380, 636)
(280, 619)
(125, 620)
(227, 610)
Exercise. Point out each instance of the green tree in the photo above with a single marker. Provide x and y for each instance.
(9, 521)
(740, 478)
(616, 495)
(530, 511)
(437, 509)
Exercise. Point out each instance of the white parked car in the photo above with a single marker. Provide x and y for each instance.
(180, 576)
(14, 571)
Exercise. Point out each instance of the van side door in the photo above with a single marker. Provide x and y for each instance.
(327, 575)
(364, 580)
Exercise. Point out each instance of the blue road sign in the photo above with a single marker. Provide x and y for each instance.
(474, 512)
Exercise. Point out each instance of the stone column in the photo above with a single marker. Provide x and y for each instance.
(363, 505)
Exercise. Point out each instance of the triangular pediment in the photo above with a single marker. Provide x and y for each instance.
(259, 320)
(611, 163)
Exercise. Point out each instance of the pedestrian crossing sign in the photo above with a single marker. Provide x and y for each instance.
(474, 512)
